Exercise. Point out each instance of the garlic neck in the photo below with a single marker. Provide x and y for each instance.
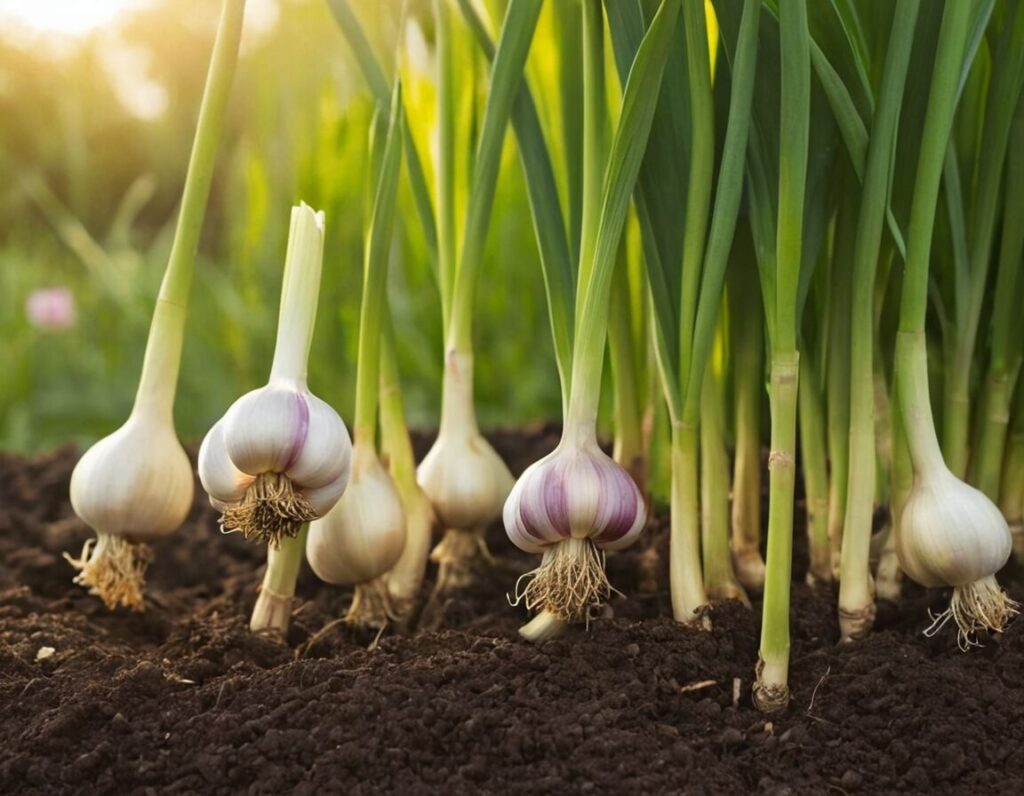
(458, 414)
(159, 380)
(915, 404)
(299, 295)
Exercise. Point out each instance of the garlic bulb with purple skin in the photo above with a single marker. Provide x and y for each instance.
(280, 456)
(571, 506)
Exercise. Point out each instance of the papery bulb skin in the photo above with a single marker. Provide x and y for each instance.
(574, 493)
(132, 487)
(362, 537)
(571, 505)
(951, 534)
(278, 458)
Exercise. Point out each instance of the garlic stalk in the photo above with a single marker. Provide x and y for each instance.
(280, 456)
(950, 534)
(406, 576)
(362, 537)
(136, 485)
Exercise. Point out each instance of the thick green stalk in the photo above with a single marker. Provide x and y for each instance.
(747, 335)
(595, 122)
(159, 379)
(273, 608)
(811, 416)
(700, 185)
(375, 275)
(687, 585)
(837, 377)
(856, 598)
(624, 160)
(570, 95)
(911, 347)
(771, 691)
(719, 576)
(446, 152)
(629, 450)
(557, 263)
(1005, 349)
(503, 89)
(406, 576)
(1005, 89)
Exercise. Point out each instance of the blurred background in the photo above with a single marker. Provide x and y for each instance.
(98, 102)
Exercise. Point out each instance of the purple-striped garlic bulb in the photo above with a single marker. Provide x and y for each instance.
(571, 506)
(281, 457)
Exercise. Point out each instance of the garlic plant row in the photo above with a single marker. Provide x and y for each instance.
(819, 252)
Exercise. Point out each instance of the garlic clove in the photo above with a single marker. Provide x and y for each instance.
(223, 482)
(326, 453)
(136, 483)
(323, 498)
(362, 537)
(266, 429)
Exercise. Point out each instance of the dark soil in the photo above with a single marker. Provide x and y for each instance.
(183, 699)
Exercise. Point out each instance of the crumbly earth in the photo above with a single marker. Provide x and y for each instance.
(183, 699)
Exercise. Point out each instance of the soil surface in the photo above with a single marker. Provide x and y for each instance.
(183, 699)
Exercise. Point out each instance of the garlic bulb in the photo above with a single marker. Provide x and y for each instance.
(132, 487)
(464, 477)
(571, 505)
(951, 534)
(280, 456)
(361, 538)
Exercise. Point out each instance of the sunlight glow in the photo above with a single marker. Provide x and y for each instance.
(69, 17)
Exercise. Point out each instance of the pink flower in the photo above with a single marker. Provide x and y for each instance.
(51, 308)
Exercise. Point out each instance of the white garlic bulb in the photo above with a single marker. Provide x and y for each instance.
(278, 458)
(132, 487)
(362, 537)
(462, 475)
(951, 534)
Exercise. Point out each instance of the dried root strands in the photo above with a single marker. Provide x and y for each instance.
(114, 570)
(280, 457)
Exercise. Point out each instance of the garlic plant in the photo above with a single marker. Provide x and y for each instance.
(577, 502)
(950, 534)
(462, 475)
(280, 457)
(362, 537)
(135, 486)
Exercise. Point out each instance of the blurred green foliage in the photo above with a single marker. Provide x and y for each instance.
(88, 197)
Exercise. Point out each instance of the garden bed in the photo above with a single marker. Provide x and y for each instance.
(182, 698)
